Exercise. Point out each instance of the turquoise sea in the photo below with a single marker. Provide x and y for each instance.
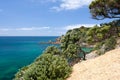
(16, 52)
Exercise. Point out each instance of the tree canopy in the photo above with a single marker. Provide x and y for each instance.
(70, 43)
(101, 9)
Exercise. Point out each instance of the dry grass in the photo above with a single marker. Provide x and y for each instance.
(105, 67)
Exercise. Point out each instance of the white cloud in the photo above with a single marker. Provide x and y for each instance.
(4, 29)
(24, 28)
(46, 31)
(32, 28)
(66, 4)
(78, 26)
(71, 4)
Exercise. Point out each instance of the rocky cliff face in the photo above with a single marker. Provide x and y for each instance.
(105, 67)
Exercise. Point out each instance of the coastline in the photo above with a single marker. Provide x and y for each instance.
(57, 41)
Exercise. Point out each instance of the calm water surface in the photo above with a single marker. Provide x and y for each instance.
(16, 52)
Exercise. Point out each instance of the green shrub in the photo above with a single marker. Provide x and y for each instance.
(52, 50)
(110, 43)
(45, 67)
(106, 45)
(98, 45)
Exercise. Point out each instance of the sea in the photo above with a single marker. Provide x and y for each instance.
(19, 51)
(16, 52)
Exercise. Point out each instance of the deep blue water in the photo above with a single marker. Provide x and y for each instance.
(16, 52)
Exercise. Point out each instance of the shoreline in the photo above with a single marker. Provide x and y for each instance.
(57, 41)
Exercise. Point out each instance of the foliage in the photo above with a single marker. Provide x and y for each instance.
(101, 9)
(71, 51)
(70, 43)
(110, 43)
(52, 50)
(106, 45)
(91, 34)
(115, 26)
(45, 67)
(102, 32)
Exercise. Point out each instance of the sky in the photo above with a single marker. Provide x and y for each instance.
(44, 17)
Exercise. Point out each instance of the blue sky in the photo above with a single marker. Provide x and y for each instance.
(43, 17)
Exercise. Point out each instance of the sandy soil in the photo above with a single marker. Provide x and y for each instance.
(105, 67)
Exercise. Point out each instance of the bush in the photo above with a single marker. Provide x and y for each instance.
(52, 50)
(110, 43)
(45, 67)
(106, 45)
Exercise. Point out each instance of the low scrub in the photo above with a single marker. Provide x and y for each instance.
(106, 45)
(45, 67)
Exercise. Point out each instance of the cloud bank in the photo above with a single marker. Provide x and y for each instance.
(25, 29)
(44, 31)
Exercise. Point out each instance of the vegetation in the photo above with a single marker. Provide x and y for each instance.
(105, 46)
(52, 50)
(101, 9)
(70, 44)
(115, 25)
(45, 67)
(100, 33)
